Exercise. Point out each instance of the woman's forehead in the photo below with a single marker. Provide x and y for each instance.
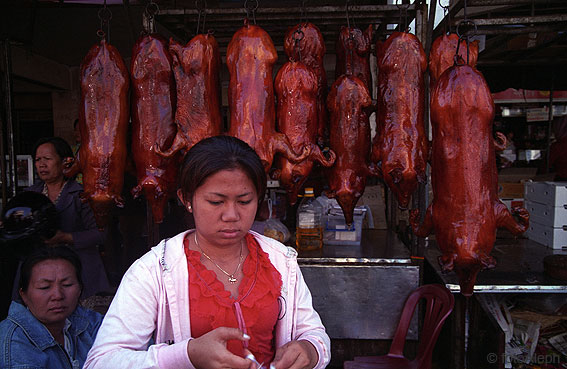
(228, 180)
(52, 267)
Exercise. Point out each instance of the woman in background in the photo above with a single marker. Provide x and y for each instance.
(48, 329)
(218, 296)
(76, 222)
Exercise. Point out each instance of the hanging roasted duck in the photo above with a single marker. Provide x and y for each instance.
(153, 108)
(103, 123)
(465, 211)
(304, 42)
(443, 52)
(400, 144)
(196, 67)
(297, 110)
(250, 58)
(348, 102)
(353, 53)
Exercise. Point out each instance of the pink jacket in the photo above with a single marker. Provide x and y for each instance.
(152, 302)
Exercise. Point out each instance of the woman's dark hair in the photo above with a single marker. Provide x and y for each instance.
(217, 153)
(43, 253)
(61, 146)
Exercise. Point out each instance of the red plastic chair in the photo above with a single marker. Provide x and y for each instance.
(439, 304)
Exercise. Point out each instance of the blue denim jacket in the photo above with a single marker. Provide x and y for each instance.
(26, 343)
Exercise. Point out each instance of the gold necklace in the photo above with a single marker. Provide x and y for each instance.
(46, 193)
(231, 278)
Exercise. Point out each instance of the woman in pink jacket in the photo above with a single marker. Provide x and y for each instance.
(219, 296)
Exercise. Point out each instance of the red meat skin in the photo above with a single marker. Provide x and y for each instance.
(250, 58)
(296, 89)
(442, 55)
(348, 103)
(311, 51)
(400, 144)
(103, 123)
(353, 53)
(466, 210)
(196, 67)
(153, 108)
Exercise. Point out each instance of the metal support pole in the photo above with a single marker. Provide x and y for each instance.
(8, 173)
(550, 123)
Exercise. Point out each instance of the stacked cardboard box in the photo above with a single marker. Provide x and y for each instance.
(511, 186)
(547, 205)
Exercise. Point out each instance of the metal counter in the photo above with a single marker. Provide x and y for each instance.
(519, 268)
(359, 291)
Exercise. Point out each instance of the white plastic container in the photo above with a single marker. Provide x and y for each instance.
(548, 193)
(555, 238)
(336, 231)
(552, 216)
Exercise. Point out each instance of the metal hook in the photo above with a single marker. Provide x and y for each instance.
(152, 9)
(350, 45)
(297, 37)
(446, 14)
(465, 35)
(201, 6)
(347, 15)
(464, 27)
(303, 17)
(251, 8)
(150, 12)
(403, 8)
(105, 15)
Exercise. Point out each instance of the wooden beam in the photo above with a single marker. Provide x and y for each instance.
(40, 69)
(295, 10)
(518, 20)
(512, 2)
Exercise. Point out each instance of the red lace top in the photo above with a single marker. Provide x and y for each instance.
(258, 293)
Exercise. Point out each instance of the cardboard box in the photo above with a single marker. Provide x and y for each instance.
(513, 203)
(548, 193)
(510, 190)
(373, 197)
(552, 216)
(516, 175)
(556, 238)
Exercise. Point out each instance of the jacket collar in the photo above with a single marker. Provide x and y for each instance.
(70, 188)
(171, 251)
(64, 200)
(37, 332)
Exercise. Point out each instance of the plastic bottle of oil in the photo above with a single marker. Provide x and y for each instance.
(309, 227)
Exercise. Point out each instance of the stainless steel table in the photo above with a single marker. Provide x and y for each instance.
(359, 291)
(519, 269)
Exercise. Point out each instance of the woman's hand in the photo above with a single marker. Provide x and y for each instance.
(300, 354)
(60, 238)
(209, 350)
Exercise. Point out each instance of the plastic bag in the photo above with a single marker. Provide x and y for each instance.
(274, 228)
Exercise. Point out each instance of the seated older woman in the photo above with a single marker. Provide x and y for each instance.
(49, 330)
